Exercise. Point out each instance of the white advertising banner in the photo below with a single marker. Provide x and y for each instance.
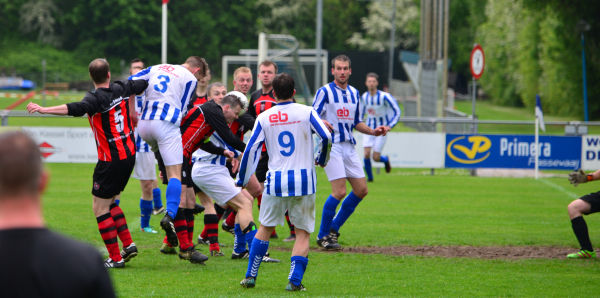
(65, 144)
(590, 152)
(410, 149)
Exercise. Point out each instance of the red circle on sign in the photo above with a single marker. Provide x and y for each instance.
(477, 61)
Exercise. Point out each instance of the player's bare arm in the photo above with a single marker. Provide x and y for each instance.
(55, 110)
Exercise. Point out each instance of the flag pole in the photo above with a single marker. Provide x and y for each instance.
(163, 52)
(537, 146)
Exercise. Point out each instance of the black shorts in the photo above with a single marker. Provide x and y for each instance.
(594, 200)
(263, 167)
(110, 177)
(186, 172)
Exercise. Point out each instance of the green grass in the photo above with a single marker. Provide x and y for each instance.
(63, 98)
(406, 207)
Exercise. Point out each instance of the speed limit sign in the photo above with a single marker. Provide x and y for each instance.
(477, 61)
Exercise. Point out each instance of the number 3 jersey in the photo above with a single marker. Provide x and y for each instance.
(341, 108)
(170, 89)
(108, 112)
(286, 130)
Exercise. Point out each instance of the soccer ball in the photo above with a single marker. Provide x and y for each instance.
(242, 98)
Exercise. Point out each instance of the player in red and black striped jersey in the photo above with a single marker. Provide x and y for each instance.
(112, 118)
(201, 91)
(196, 127)
(260, 101)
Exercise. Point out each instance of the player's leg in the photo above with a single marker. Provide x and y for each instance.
(158, 207)
(146, 205)
(377, 147)
(270, 216)
(302, 215)
(292, 235)
(240, 240)
(108, 231)
(585, 205)
(120, 171)
(367, 145)
(337, 178)
(211, 226)
(186, 247)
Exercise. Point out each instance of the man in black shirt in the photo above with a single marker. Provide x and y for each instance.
(37, 262)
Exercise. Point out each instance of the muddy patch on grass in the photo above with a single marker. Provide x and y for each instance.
(481, 252)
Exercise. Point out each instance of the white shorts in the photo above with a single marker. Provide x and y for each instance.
(301, 210)
(165, 137)
(215, 182)
(343, 162)
(376, 143)
(145, 166)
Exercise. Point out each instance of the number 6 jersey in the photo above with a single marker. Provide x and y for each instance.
(286, 130)
(170, 88)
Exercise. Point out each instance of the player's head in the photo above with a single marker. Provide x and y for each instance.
(242, 79)
(340, 69)
(216, 91)
(135, 65)
(197, 66)
(266, 73)
(242, 97)
(204, 81)
(22, 174)
(283, 86)
(372, 81)
(99, 70)
(232, 106)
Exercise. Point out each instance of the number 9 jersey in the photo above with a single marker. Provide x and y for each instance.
(286, 130)
(170, 88)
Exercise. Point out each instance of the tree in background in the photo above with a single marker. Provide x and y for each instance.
(39, 16)
(377, 25)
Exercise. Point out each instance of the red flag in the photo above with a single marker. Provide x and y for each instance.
(165, 1)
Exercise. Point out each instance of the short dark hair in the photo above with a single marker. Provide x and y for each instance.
(134, 60)
(195, 61)
(99, 69)
(341, 57)
(232, 101)
(21, 164)
(268, 63)
(283, 85)
(373, 75)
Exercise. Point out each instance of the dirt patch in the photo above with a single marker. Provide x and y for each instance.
(482, 252)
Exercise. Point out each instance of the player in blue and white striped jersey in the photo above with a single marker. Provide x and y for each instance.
(338, 104)
(145, 166)
(286, 130)
(170, 88)
(380, 108)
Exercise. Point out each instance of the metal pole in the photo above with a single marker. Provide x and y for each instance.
(392, 42)
(473, 106)
(318, 44)
(585, 96)
(43, 82)
(445, 64)
(163, 55)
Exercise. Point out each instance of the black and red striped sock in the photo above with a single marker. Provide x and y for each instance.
(230, 221)
(108, 232)
(292, 229)
(189, 217)
(121, 223)
(181, 230)
(211, 223)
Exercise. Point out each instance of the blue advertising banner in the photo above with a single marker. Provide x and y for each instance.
(512, 151)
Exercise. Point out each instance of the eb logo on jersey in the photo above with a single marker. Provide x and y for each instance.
(343, 113)
(279, 117)
(469, 150)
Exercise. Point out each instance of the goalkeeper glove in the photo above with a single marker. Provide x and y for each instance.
(579, 176)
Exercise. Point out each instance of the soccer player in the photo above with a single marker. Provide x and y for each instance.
(260, 101)
(291, 179)
(145, 169)
(112, 120)
(338, 104)
(585, 205)
(380, 108)
(201, 90)
(36, 261)
(171, 87)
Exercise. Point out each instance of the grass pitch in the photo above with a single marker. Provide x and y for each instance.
(406, 207)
